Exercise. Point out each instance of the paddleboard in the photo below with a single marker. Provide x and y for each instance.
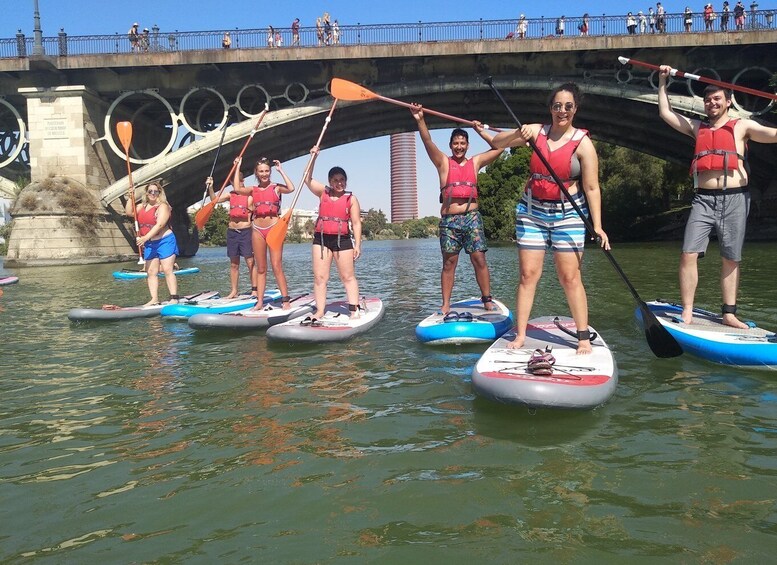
(250, 319)
(132, 275)
(335, 325)
(182, 310)
(112, 313)
(466, 322)
(575, 381)
(8, 280)
(707, 337)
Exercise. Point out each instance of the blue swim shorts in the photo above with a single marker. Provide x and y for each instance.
(160, 248)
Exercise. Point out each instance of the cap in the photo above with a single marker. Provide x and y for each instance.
(136, 24)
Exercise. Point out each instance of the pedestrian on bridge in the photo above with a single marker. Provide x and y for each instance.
(266, 199)
(522, 27)
(134, 38)
(239, 242)
(295, 33)
(722, 199)
(724, 16)
(688, 19)
(461, 226)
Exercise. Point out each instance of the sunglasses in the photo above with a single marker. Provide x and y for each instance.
(558, 107)
(152, 191)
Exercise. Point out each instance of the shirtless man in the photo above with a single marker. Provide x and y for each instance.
(460, 224)
(722, 199)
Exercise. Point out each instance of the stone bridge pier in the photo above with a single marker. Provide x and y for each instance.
(58, 217)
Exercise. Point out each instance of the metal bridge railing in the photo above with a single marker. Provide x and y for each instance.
(156, 40)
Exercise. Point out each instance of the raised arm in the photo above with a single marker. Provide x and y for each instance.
(517, 137)
(487, 157)
(129, 209)
(315, 186)
(288, 186)
(760, 133)
(437, 157)
(676, 121)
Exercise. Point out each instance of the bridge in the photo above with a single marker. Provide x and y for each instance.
(179, 100)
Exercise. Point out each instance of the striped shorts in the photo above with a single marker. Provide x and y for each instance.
(550, 224)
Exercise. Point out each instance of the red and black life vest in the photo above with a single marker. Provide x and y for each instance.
(462, 182)
(716, 150)
(267, 202)
(334, 215)
(541, 184)
(238, 207)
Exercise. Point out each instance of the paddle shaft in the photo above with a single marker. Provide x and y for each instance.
(469, 123)
(657, 335)
(682, 74)
(242, 151)
(126, 138)
(218, 151)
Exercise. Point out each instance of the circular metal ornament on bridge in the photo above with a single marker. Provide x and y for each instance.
(623, 75)
(197, 128)
(256, 104)
(109, 133)
(747, 102)
(302, 95)
(696, 88)
(8, 140)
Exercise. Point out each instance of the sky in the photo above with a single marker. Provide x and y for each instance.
(366, 162)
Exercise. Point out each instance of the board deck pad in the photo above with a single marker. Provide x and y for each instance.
(468, 321)
(335, 325)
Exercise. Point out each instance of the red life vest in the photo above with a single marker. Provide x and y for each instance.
(267, 202)
(238, 207)
(334, 215)
(146, 218)
(716, 150)
(462, 181)
(541, 184)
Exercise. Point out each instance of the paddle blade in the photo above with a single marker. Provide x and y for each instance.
(124, 131)
(347, 90)
(203, 215)
(277, 234)
(658, 337)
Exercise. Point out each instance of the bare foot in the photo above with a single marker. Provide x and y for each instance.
(152, 302)
(687, 315)
(489, 305)
(517, 343)
(232, 294)
(445, 308)
(286, 306)
(584, 347)
(731, 320)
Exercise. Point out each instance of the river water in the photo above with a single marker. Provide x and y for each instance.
(145, 441)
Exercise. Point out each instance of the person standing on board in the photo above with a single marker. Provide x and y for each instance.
(338, 236)
(461, 226)
(722, 199)
(266, 199)
(157, 239)
(544, 218)
(239, 229)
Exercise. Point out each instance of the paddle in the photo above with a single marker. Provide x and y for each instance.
(681, 74)
(277, 234)
(124, 131)
(658, 337)
(203, 214)
(218, 151)
(347, 90)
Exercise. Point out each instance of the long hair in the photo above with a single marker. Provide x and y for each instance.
(156, 183)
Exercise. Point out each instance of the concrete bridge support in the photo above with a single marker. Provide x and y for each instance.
(58, 217)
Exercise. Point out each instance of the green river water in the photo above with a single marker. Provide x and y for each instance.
(146, 442)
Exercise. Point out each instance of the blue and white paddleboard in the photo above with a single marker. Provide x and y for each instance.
(183, 310)
(132, 275)
(707, 337)
(467, 322)
(335, 325)
(575, 381)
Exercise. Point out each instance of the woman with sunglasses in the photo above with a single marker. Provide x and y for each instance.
(156, 238)
(266, 202)
(338, 236)
(544, 218)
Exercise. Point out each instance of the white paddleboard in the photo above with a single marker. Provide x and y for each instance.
(335, 325)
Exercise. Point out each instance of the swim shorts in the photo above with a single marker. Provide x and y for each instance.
(726, 212)
(550, 224)
(330, 241)
(239, 243)
(160, 248)
(462, 231)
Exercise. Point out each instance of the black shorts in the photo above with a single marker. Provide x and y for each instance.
(333, 242)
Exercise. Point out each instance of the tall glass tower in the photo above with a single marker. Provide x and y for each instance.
(404, 185)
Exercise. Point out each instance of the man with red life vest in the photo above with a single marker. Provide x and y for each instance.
(157, 239)
(238, 231)
(722, 199)
(461, 226)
